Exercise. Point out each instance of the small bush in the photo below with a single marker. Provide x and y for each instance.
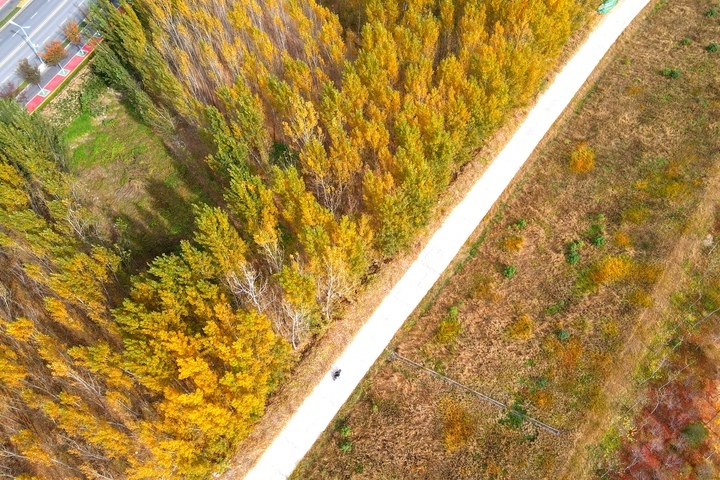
(636, 214)
(695, 433)
(449, 327)
(713, 12)
(598, 240)
(670, 72)
(345, 446)
(483, 287)
(522, 328)
(563, 335)
(555, 308)
(611, 269)
(520, 224)
(686, 41)
(641, 298)
(622, 239)
(458, 424)
(712, 48)
(515, 417)
(513, 243)
(509, 271)
(572, 255)
(582, 159)
(648, 273)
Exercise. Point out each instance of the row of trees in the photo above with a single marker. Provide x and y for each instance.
(335, 145)
(54, 53)
(161, 388)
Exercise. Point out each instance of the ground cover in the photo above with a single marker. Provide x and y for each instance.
(554, 288)
(140, 193)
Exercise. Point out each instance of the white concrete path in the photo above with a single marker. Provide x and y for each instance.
(323, 403)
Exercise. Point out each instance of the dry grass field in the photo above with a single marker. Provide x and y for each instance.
(566, 292)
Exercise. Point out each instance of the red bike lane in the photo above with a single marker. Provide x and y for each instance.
(60, 77)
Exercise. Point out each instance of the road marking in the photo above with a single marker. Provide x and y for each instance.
(17, 49)
(33, 15)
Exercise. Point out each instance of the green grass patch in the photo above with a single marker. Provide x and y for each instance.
(139, 193)
(9, 16)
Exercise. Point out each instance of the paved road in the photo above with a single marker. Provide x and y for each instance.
(45, 19)
(319, 408)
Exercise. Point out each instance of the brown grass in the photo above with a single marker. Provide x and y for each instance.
(458, 424)
(562, 381)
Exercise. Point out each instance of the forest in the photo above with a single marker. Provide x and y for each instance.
(332, 129)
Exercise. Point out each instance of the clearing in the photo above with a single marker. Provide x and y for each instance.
(139, 192)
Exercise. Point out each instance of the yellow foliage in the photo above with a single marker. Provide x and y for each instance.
(458, 424)
(543, 399)
(582, 159)
(513, 243)
(622, 239)
(648, 273)
(636, 214)
(611, 269)
(570, 354)
(522, 328)
(641, 298)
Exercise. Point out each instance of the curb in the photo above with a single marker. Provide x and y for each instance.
(20, 6)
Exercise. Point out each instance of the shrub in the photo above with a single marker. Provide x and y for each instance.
(670, 72)
(520, 224)
(522, 327)
(641, 298)
(622, 239)
(582, 159)
(563, 335)
(458, 424)
(713, 12)
(611, 269)
(509, 271)
(686, 41)
(712, 48)
(572, 255)
(695, 433)
(597, 232)
(483, 288)
(515, 416)
(449, 327)
(555, 308)
(513, 243)
(346, 446)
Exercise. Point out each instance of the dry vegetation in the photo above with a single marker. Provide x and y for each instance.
(577, 266)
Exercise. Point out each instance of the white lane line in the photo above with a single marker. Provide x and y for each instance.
(319, 408)
(17, 49)
(33, 15)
